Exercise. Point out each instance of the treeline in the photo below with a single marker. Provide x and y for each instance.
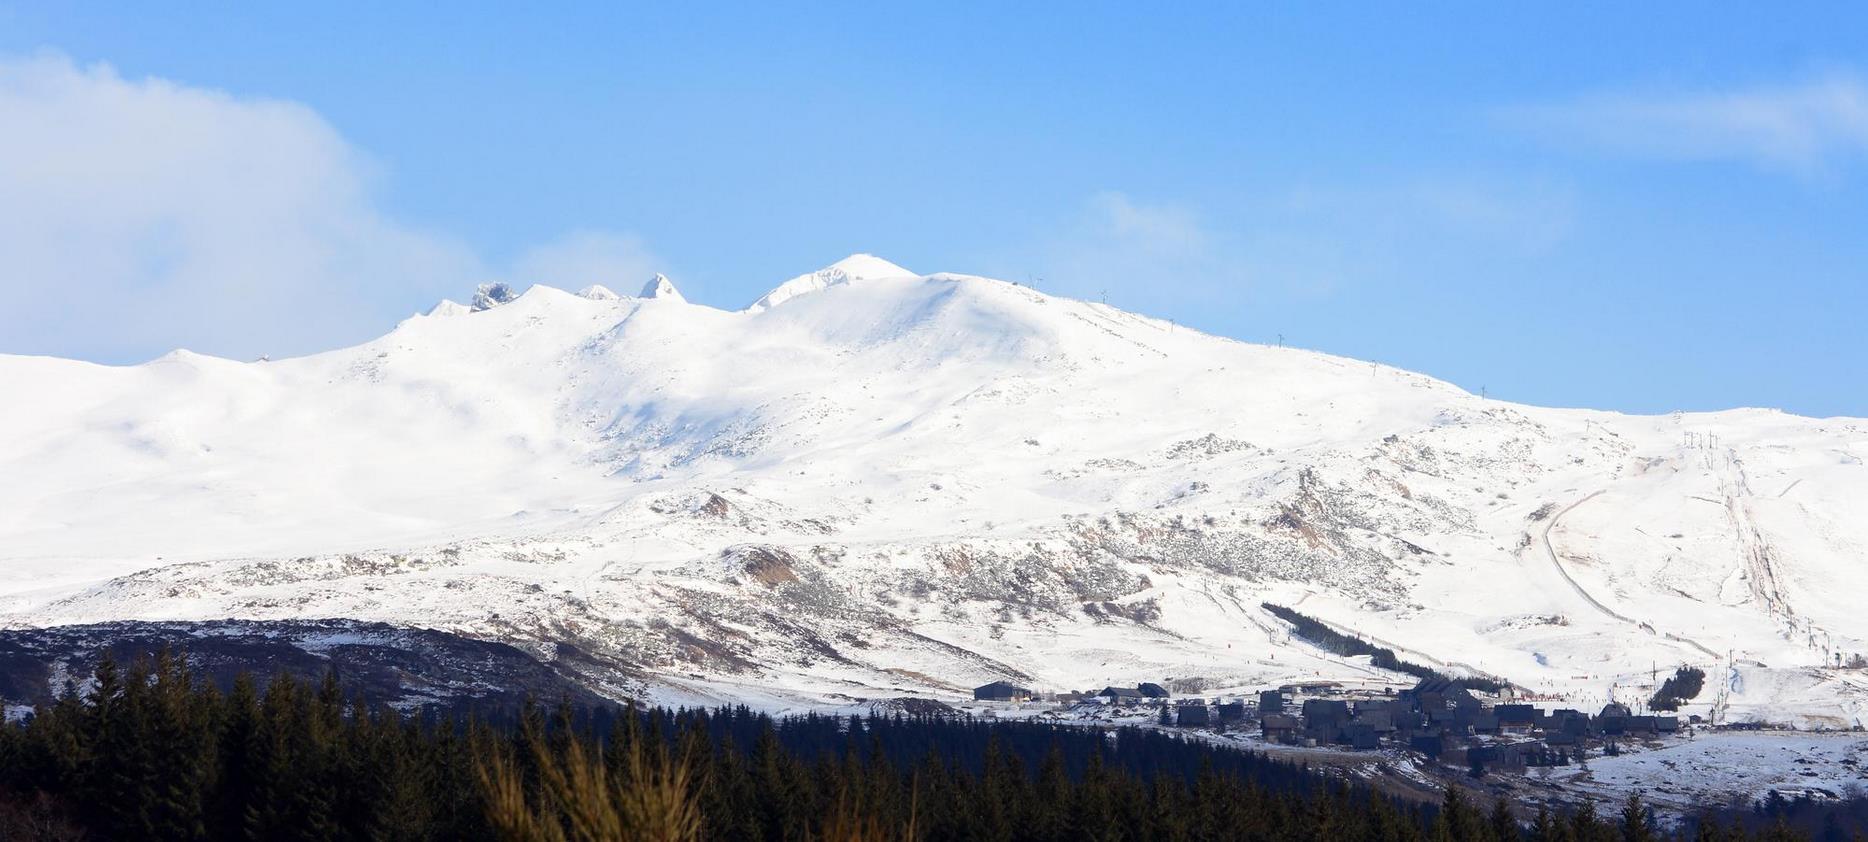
(153, 754)
(1331, 640)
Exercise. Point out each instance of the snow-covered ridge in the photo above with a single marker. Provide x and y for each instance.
(856, 267)
(662, 288)
(875, 482)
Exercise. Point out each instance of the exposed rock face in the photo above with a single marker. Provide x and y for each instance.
(492, 295)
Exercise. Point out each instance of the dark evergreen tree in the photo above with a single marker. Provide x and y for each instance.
(1637, 823)
(1503, 826)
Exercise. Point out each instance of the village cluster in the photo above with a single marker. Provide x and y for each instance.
(1436, 718)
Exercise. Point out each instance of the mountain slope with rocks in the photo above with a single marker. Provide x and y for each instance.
(874, 483)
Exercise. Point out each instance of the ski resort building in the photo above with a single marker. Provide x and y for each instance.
(1001, 691)
(1122, 695)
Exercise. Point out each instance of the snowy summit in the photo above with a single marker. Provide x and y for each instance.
(874, 483)
(856, 267)
(662, 288)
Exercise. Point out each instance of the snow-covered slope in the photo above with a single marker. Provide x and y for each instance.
(873, 482)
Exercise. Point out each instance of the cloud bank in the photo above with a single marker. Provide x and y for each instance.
(1807, 128)
(585, 257)
(139, 215)
(1118, 247)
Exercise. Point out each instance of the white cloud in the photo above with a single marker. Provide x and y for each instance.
(1310, 241)
(1161, 229)
(139, 215)
(582, 258)
(1132, 250)
(1525, 214)
(1804, 128)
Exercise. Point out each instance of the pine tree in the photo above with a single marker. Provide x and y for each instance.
(1637, 824)
(1456, 822)
(183, 764)
(403, 785)
(1544, 828)
(236, 748)
(1094, 813)
(274, 766)
(124, 778)
(1583, 823)
(1052, 798)
(1504, 827)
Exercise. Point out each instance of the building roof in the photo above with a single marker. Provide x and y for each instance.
(1380, 720)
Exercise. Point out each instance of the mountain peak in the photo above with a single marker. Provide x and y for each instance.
(448, 307)
(492, 295)
(856, 267)
(660, 287)
(598, 292)
(864, 267)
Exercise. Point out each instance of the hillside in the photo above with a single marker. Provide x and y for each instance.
(876, 483)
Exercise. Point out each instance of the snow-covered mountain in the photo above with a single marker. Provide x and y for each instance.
(872, 482)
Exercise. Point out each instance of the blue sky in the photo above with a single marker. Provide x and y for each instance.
(1647, 208)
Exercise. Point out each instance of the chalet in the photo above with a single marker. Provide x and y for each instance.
(1667, 724)
(1561, 739)
(1379, 721)
(1279, 728)
(1361, 737)
(1270, 701)
(1497, 758)
(1122, 695)
(1484, 723)
(1566, 721)
(1510, 716)
(1642, 725)
(1152, 691)
(1431, 745)
(1326, 710)
(1449, 722)
(1437, 692)
(1193, 716)
(1232, 712)
(1324, 719)
(1001, 691)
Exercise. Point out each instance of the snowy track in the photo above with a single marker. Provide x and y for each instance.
(1550, 551)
